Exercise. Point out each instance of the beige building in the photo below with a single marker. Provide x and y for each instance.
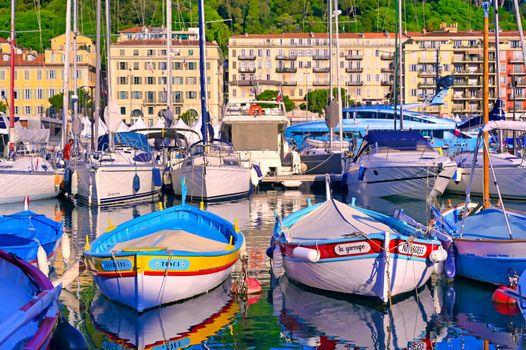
(139, 74)
(40, 76)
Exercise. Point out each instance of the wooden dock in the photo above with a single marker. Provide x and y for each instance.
(302, 178)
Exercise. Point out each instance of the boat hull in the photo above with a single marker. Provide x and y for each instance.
(327, 163)
(364, 268)
(16, 185)
(212, 183)
(114, 184)
(402, 181)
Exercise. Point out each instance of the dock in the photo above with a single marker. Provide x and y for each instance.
(302, 178)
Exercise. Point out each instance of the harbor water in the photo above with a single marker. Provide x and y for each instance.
(459, 315)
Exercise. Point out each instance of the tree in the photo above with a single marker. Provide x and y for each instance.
(189, 117)
(318, 99)
(3, 107)
(272, 95)
(85, 102)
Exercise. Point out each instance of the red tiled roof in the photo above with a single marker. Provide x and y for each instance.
(161, 42)
(132, 30)
(3, 40)
(20, 61)
(319, 36)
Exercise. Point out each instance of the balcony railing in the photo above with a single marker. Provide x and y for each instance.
(387, 56)
(320, 83)
(286, 70)
(286, 57)
(354, 83)
(321, 69)
(354, 69)
(354, 57)
(289, 83)
(321, 57)
(247, 70)
(517, 97)
(426, 85)
(387, 70)
(246, 57)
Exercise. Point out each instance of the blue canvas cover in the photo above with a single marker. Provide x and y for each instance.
(131, 139)
(399, 139)
(497, 113)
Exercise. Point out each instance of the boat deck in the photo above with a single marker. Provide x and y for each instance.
(172, 240)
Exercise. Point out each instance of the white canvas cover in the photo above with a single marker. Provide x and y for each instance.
(103, 129)
(86, 127)
(122, 127)
(181, 124)
(334, 220)
(112, 116)
(505, 125)
(139, 124)
(30, 135)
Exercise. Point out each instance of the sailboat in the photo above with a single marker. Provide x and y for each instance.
(23, 175)
(123, 169)
(490, 241)
(212, 169)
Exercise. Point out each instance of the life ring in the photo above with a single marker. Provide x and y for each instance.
(255, 109)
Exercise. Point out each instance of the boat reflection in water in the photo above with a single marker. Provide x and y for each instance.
(174, 326)
(326, 322)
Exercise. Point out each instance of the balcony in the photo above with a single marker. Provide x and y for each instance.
(387, 56)
(353, 57)
(247, 69)
(286, 70)
(517, 73)
(427, 85)
(179, 100)
(519, 82)
(286, 57)
(515, 61)
(321, 57)
(321, 69)
(428, 60)
(255, 82)
(289, 83)
(426, 73)
(354, 83)
(354, 69)
(246, 57)
(320, 83)
(387, 70)
(518, 97)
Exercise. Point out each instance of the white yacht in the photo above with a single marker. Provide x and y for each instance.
(212, 172)
(256, 129)
(400, 163)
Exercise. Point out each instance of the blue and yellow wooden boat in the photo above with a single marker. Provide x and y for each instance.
(163, 257)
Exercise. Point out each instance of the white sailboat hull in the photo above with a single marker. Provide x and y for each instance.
(18, 184)
(212, 182)
(113, 184)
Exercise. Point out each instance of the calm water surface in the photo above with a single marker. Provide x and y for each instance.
(285, 315)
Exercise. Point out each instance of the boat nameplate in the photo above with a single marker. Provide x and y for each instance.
(352, 248)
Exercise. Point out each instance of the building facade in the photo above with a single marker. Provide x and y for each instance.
(139, 74)
(39, 76)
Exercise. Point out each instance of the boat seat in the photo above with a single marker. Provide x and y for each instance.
(172, 240)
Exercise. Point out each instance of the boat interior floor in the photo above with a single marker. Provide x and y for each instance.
(172, 240)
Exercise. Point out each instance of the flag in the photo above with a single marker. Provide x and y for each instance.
(280, 95)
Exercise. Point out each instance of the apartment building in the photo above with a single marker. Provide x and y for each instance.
(139, 74)
(39, 76)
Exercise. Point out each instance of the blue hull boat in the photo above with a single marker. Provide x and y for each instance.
(22, 233)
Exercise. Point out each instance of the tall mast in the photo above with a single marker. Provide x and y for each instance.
(338, 85)
(12, 82)
(202, 70)
(108, 69)
(65, 100)
(519, 27)
(400, 66)
(497, 67)
(485, 104)
(169, 56)
(331, 92)
(96, 117)
(75, 73)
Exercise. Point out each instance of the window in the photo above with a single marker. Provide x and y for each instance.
(51, 93)
(135, 65)
(150, 53)
(190, 52)
(123, 110)
(26, 74)
(192, 95)
(16, 94)
(178, 66)
(191, 80)
(2, 74)
(150, 80)
(149, 65)
(150, 96)
(413, 68)
(40, 110)
(207, 65)
(136, 52)
(122, 80)
(177, 110)
(178, 80)
(122, 52)
(162, 65)
(234, 92)
(122, 65)
(413, 92)
(27, 109)
(150, 109)
(123, 95)
(51, 74)
(137, 95)
(162, 96)
(27, 94)
(137, 80)
(162, 80)
(192, 66)
(40, 94)
(260, 52)
(178, 97)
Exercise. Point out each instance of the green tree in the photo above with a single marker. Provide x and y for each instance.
(318, 99)
(189, 117)
(272, 95)
(84, 100)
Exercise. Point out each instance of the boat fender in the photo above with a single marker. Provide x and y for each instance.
(503, 303)
(68, 175)
(457, 176)
(67, 337)
(306, 254)
(438, 255)
(42, 263)
(450, 269)
(167, 179)
(66, 247)
(254, 177)
(276, 264)
(270, 252)
(136, 184)
(156, 176)
(361, 172)
(254, 287)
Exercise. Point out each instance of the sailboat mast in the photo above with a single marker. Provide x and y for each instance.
(331, 93)
(400, 66)
(497, 48)
(12, 82)
(108, 70)
(485, 103)
(169, 56)
(75, 74)
(202, 70)
(338, 85)
(96, 117)
(65, 96)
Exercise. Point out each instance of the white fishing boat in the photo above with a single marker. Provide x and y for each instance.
(212, 172)
(340, 248)
(398, 163)
(256, 129)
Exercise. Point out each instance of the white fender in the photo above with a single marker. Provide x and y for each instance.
(42, 263)
(254, 178)
(306, 254)
(66, 247)
(457, 176)
(438, 255)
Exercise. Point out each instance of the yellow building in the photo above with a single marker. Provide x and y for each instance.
(40, 76)
(139, 74)
(299, 63)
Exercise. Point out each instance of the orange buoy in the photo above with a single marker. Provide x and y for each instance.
(503, 303)
(254, 287)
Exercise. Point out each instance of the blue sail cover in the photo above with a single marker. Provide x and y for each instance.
(396, 139)
(130, 139)
(497, 113)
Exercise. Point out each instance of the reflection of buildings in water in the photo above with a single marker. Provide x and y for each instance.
(327, 322)
(173, 326)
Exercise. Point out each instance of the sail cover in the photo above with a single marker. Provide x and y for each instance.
(334, 220)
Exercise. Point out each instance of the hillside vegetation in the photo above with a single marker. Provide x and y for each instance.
(40, 20)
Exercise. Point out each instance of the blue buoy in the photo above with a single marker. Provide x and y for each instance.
(270, 252)
(136, 183)
(450, 268)
(157, 178)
